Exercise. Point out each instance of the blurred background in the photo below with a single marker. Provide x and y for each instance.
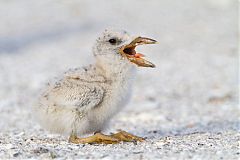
(195, 82)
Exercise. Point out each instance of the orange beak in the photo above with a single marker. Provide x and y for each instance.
(134, 57)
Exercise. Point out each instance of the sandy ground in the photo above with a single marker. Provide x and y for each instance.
(187, 107)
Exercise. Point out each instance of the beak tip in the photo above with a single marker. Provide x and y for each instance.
(153, 66)
(152, 41)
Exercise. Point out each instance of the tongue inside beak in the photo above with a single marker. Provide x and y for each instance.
(134, 57)
(139, 55)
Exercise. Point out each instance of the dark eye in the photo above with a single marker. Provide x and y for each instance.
(112, 41)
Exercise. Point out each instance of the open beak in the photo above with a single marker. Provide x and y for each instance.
(134, 57)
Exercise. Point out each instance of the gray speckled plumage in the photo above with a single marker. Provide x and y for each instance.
(84, 99)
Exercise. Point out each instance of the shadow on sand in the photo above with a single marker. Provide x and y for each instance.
(213, 127)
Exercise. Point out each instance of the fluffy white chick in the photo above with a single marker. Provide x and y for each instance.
(85, 99)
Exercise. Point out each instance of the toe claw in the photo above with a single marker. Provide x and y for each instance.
(127, 137)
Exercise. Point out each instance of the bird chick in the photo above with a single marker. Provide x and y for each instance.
(85, 99)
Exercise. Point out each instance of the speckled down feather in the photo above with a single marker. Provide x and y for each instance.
(84, 99)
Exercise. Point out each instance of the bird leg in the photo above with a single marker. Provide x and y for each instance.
(97, 138)
(127, 137)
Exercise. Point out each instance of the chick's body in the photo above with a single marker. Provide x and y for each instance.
(86, 98)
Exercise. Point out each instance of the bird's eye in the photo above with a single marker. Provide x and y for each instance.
(113, 41)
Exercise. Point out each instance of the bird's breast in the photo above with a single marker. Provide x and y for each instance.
(117, 95)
